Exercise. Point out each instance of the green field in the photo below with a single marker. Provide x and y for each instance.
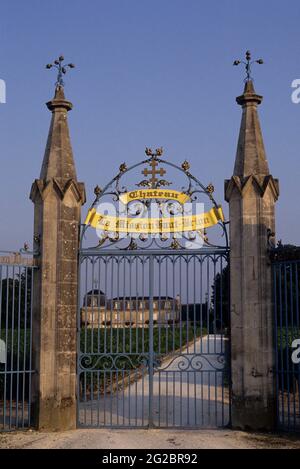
(285, 336)
(136, 340)
(110, 340)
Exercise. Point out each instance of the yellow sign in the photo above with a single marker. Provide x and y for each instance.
(154, 225)
(154, 194)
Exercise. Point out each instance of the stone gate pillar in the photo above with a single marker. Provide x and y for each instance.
(57, 198)
(251, 193)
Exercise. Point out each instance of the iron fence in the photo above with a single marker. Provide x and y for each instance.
(286, 294)
(16, 294)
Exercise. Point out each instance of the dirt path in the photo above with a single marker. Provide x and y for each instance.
(187, 392)
(147, 439)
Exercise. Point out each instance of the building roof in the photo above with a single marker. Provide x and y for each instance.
(95, 292)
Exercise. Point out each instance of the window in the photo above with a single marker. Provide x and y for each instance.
(94, 301)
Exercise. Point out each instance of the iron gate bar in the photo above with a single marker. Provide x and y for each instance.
(151, 349)
(154, 252)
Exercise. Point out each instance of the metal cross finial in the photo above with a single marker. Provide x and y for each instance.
(153, 161)
(248, 64)
(62, 69)
(153, 172)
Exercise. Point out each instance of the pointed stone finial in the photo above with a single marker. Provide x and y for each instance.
(58, 158)
(249, 95)
(250, 156)
(251, 160)
(59, 101)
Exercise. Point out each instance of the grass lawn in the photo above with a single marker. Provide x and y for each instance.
(111, 340)
(285, 336)
(136, 340)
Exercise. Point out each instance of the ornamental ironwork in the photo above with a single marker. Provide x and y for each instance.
(248, 64)
(61, 69)
(152, 213)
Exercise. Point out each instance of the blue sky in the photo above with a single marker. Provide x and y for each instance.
(148, 73)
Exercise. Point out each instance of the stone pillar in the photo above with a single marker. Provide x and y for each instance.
(251, 193)
(57, 198)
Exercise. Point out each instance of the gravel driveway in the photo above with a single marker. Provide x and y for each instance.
(147, 439)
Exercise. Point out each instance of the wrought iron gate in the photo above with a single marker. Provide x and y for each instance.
(154, 339)
(16, 294)
(153, 313)
(286, 295)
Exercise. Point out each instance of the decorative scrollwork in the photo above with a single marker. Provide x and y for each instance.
(195, 362)
(192, 189)
(112, 362)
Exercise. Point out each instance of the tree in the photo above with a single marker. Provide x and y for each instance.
(220, 314)
(16, 300)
